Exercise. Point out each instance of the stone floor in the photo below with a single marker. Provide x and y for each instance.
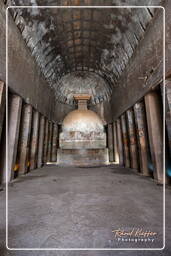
(79, 208)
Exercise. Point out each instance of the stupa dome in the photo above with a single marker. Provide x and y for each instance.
(82, 121)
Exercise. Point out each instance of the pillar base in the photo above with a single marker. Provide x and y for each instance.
(145, 174)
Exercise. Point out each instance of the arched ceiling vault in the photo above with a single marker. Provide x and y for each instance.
(70, 40)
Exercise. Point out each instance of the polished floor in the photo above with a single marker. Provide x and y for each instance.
(61, 207)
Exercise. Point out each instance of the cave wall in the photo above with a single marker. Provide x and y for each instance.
(24, 77)
(145, 69)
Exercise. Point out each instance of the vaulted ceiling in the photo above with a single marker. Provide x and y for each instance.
(67, 40)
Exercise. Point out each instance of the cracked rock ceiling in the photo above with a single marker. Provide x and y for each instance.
(77, 41)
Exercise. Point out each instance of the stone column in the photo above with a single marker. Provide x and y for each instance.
(168, 112)
(2, 105)
(168, 129)
(49, 154)
(141, 129)
(132, 139)
(14, 116)
(25, 138)
(119, 142)
(54, 143)
(110, 142)
(116, 154)
(40, 142)
(125, 141)
(34, 140)
(155, 131)
(45, 148)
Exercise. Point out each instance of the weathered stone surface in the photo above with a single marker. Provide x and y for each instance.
(145, 70)
(24, 76)
(24, 135)
(14, 117)
(110, 142)
(82, 132)
(3, 156)
(41, 141)
(112, 55)
(136, 38)
(34, 140)
(119, 141)
(54, 142)
(78, 141)
(132, 139)
(103, 109)
(80, 40)
(83, 82)
(82, 157)
(155, 131)
(168, 112)
(2, 105)
(141, 130)
(45, 148)
(116, 153)
(125, 141)
(82, 129)
(49, 150)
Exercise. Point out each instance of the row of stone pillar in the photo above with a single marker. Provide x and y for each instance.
(32, 138)
(138, 137)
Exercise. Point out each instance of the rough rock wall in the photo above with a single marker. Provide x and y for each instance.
(24, 76)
